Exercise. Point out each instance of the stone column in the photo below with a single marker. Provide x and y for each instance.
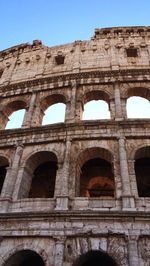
(127, 199)
(71, 105)
(79, 111)
(118, 107)
(133, 250)
(124, 107)
(62, 181)
(37, 116)
(29, 112)
(59, 251)
(23, 183)
(11, 176)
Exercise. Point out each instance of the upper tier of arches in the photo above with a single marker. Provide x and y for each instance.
(107, 102)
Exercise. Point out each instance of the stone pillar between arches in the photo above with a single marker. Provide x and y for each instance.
(127, 197)
(11, 176)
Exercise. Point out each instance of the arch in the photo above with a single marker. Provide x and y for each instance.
(95, 258)
(92, 152)
(4, 163)
(142, 171)
(95, 95)
(39, 166)
(10, 109)
(27, 245)
(95, 105)
(95, 176)
(56, 102)
(138, 91)
(141, 89)
(25, 257)
(138, 107)
(52, 99)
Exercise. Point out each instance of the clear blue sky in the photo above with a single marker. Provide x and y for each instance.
(62, 21)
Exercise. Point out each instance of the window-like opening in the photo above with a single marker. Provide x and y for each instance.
(3, 169)
(25, 258)
(14, 114)
(96, 179)
(59, 59)
(95, 105)
(132, 52)
(52, 109)
(43, 181)
(142, 171)
(95, 258)
(96, 110)
(138, 107)
(54, 114)
(16, 119)
(38, 180)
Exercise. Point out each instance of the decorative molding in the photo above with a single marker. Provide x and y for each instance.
(81, 78)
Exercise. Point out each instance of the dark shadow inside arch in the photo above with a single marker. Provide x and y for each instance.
(95, 258)
(25, 258)
(3, 170)
(142, 171)
(96, 179)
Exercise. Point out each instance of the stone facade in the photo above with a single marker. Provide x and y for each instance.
(113, 66)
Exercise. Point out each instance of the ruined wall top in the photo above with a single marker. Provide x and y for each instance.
(110, 49)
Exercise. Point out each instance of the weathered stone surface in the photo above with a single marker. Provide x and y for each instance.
(63, 223)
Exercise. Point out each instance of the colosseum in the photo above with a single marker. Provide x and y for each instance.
(77, 191)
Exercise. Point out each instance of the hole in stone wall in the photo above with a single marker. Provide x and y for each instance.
(95, 258)
(96, 179)
(96, 109)
(59, 59)
(3, 170)
(142, 170)
(132, 52)
(54, 114)
(138, 107)
(16, 119)
(25, 258)
(43, 181)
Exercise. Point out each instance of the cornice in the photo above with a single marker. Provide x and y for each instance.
(62, 130)
(81, 78)
(78, 215)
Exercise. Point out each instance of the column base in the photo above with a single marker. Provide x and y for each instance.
(4, 204)
(128, 203)
(61, 203)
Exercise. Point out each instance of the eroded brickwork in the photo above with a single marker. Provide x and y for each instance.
(72, 187)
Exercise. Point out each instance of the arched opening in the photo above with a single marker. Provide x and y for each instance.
(95, 258)
(53, 109)
(54, 114)
(138, 107)
(43, 181)
(95, 106)
(96, 176)
(3, 170)
(25, 258)
(39, 176)
(142, 171)
(96, 110)
(16, 119)
(15, 112)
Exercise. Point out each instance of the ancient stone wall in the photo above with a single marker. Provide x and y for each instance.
(62, 222)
